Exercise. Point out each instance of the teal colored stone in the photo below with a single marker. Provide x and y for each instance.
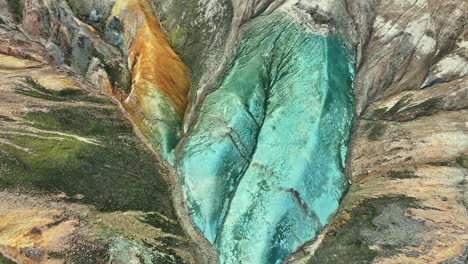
(263, 168)
(161, 124)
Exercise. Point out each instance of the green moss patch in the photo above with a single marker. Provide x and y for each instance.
(380, 222)
(157, 221)
(116, 174)
(404, 101)
(176, 37)
(119, 76)
(402, 174)
(5, 118)
(34, 89)
(378, 113)
(84, 121)
(386, 113)
(375, 130)
(5, 260)
(463, 161)
(424, 108)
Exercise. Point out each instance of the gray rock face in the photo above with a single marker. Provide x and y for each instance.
(92, 11)
(408, 37)
(198, 31)
(52, 23)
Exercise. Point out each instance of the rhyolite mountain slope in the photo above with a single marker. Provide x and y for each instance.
(234, 131)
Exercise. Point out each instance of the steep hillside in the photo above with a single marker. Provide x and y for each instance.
(233, 131)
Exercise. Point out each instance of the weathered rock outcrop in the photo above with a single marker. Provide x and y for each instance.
(70, 42)
(408, 37)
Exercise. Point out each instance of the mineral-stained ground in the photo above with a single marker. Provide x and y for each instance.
(233, 131)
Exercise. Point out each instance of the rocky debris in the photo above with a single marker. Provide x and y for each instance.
(451, 67)
(71, 41)
(15, 43)
(377, 226)
(39, 228)
(86, 8)
(407, 106)
(15, 9)
(6, 14)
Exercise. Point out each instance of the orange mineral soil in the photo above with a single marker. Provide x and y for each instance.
(154, 65)
(160, 80)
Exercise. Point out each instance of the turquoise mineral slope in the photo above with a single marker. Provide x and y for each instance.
(263, 168)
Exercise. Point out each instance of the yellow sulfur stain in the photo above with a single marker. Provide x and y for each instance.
(57, 82)
(42, 74)
(21, 230)
(13, 63)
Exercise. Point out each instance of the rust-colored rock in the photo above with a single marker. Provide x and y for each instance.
(160, 81)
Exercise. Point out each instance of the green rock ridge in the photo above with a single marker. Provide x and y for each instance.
(272, 141)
